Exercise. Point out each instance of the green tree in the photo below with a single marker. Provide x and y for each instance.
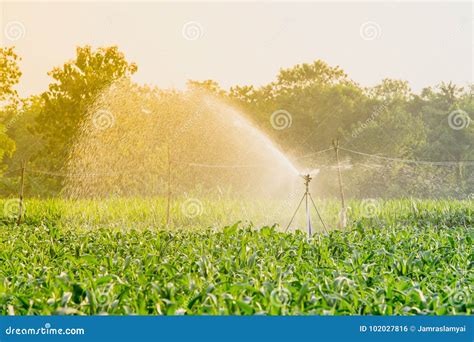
(319, 100)
(76, 86)
(209, 86)
(306, 75)
(9, 76)
(386, 127)
(27, 147)
(447, 111)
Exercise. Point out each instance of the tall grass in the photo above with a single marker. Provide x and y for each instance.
(117, 257)
(198, 213)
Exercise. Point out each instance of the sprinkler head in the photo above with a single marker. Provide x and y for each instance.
(307, 179)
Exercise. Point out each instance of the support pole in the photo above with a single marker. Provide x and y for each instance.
(343, 219)
(306, 197)
(308, 216)
(168, 195)
(317, 212)
(296, 211)
(22, 187)
(307, 180)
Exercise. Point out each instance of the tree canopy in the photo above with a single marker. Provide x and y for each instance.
(75, 87)
(320, 101)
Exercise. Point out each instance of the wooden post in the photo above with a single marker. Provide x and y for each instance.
(343, 218)
(22, 187)
(168, 195)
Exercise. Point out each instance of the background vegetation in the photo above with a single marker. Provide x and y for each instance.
(94, 257)
(388, 120)
(90, 256)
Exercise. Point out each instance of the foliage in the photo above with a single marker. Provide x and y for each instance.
(412, 257)
(386, 120)
(76, 86)
(323, 102)
(9, 76)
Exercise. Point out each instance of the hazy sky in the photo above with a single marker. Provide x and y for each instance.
(247, 43)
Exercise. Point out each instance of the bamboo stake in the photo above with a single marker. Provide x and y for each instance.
(168, 195)
(343, 218)
(22, 187)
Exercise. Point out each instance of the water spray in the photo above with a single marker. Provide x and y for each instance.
(307, 197)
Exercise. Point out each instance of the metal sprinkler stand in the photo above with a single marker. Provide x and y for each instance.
(306, 197)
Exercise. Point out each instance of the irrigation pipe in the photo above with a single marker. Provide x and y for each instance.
(424, 162)
(11, 171)
(62, 174)
(224, 166)
(315, 153)
(227, 166)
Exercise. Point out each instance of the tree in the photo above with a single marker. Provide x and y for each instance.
(7, 145)
(27, 146)
(210, 86)
(318, 99)
(447, 111)
(9, 76)
(305, 75)
(77, 84)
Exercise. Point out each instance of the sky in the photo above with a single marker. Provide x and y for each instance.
(247, 43)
